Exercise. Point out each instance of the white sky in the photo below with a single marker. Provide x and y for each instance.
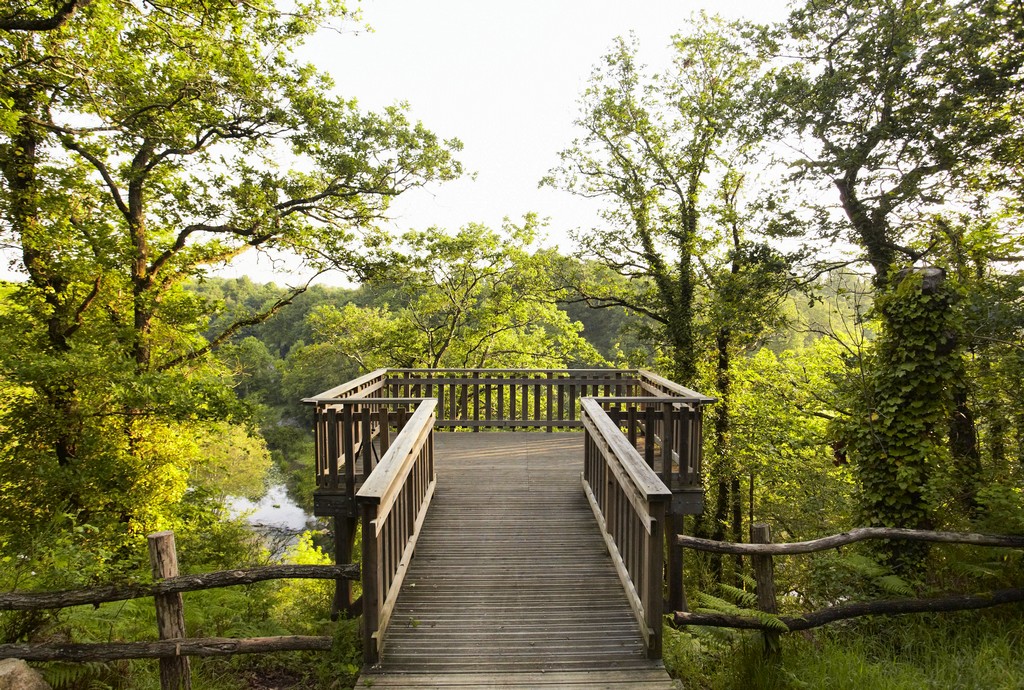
(505, 79)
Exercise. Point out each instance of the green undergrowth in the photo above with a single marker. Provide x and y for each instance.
(970, 650)
(278, 607)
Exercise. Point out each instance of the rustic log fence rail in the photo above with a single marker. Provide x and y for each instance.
(174, 651)
(764, 552)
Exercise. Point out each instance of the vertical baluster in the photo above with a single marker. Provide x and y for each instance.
(561, 401)
(525, 394)
(537, 397)
(487, 396)
(512, 402)
(550, 402)
(476, 406)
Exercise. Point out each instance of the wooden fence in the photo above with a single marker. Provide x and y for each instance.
(174, 647)
(762, 552)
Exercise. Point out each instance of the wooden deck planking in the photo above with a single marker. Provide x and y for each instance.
(652, 679)
(511, 580)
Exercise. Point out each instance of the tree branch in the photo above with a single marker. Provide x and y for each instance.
(59, 18)
(237, 326)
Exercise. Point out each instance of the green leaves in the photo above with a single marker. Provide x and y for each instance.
(473, 298)
(141, 146)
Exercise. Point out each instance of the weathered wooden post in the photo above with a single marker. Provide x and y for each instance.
(175, 673)
(764, 574)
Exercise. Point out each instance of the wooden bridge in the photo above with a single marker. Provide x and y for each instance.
(517, 559)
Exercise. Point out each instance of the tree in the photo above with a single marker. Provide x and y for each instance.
(906, 109)
(141, 144)
(670, 154)
(476, 298)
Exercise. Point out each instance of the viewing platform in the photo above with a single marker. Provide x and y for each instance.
(529, 558)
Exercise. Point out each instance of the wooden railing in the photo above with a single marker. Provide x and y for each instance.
(666, 431)
(394, 499)
(630, 503)
(347, 418)
(510, 399)
(658, 421)
(345, 433)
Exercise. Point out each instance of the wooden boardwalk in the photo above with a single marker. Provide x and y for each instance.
(511, 585)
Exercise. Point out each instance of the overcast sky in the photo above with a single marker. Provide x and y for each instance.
(505, 79)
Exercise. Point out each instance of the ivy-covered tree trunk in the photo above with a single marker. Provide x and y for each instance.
(724, 469)
(898, 427)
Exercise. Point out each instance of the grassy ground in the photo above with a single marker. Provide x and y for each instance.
(971, 650)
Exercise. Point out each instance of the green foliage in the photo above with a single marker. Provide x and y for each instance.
(475, 298)
(141, 149)
(652, 147)
(895, 434)
(236, 462)
(742, 607)
(964, 650)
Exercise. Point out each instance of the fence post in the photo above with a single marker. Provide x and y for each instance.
(764, 574)
(175, 673)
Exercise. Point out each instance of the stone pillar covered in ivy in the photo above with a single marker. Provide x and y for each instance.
(896, 433)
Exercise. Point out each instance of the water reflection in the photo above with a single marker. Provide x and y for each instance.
(275, 510)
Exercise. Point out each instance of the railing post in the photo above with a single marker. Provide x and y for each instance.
(344, 539)
(676, 592)
(654, 607)
(764, 574)
(175, 673)
(371, 584)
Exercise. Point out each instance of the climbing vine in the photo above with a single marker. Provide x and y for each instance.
(895, 434)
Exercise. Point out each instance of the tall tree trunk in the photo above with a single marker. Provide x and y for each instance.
(724, 499)
(963, 445)
(737, 523)
(681, 324)
(21, 174)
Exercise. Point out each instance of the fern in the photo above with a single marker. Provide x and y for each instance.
(976, 569)
(64, 676)
(863, 565)
(879, 575)
(713, 604)
(739, 596)
(895, 584)
(748, 582)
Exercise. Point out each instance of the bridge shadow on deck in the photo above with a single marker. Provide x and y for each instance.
(511, 574)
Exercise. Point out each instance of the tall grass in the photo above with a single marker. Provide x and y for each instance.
(970, 650)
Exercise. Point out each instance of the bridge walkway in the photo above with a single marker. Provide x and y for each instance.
(511, 585)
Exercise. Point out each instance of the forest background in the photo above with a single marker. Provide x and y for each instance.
(816, 222)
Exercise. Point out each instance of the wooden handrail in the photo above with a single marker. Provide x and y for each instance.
(672, 388)
(394, 500)
(355, 385)
(630, 503)
(606, 370)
